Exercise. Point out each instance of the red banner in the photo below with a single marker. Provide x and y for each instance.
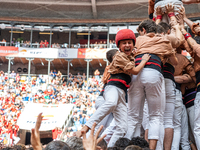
(8, 51)
(81, 53)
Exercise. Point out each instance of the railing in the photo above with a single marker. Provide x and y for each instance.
(65, 45)
(3, 43)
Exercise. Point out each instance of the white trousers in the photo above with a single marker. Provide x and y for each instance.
(149, 84)
(145, 119)
(190, 112)
(185, 144)
(99, 101)
(115, 103)
(177, 120)
(109, 131)
(107, 119)
(170, 103)
(108, 122)
(197, 120)
(145, 124)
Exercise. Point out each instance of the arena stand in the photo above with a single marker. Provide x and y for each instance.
(20, 98)
(48, 78)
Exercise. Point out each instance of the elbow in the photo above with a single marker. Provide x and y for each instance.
(175, 63)
(180, 81)
(134, 72)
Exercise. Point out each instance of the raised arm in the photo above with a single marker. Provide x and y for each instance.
(190, 1)
(192, 43)
(136, 70)
(170, 12)
(151, 8)
(35, 134)
(193, 26)
(159, 15)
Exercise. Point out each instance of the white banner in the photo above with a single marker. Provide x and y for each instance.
(67, 53)
(38, 52)
(114, 30)
(134, 28)
(54, 116)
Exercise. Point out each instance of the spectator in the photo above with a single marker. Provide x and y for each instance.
(46, 44)
(3, 40)
(57, 45)
(54, 73)
(13, 74)
(97, 73)
(42, 44)
(59, 75)
(53, 45)
(75, 143)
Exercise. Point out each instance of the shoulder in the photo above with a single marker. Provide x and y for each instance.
(120, 54)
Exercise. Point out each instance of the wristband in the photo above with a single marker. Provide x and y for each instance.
(154, 19)
(187, 35)
(159, 17)
(171, 14)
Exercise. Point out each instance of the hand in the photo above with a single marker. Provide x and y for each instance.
(92, 141)
(197, 29)
(169, 8)
(79, 133)
(182, 11)
(134, 51)
(179, 18)
(35, 135)
(159, 11)
(146, 57)
(173, 23)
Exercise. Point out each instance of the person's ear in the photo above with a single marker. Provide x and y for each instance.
(169, 31)
(144, 30)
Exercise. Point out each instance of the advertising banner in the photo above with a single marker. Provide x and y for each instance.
(71, 53)
(53, 116)
(9, 51)
(92, 53)
(81, 53)
(38, 52)
(134, 28)
(114, 30)
(67, 53)
(96, 53)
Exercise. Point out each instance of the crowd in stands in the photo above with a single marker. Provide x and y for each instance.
(45, 44)
(14, 93)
